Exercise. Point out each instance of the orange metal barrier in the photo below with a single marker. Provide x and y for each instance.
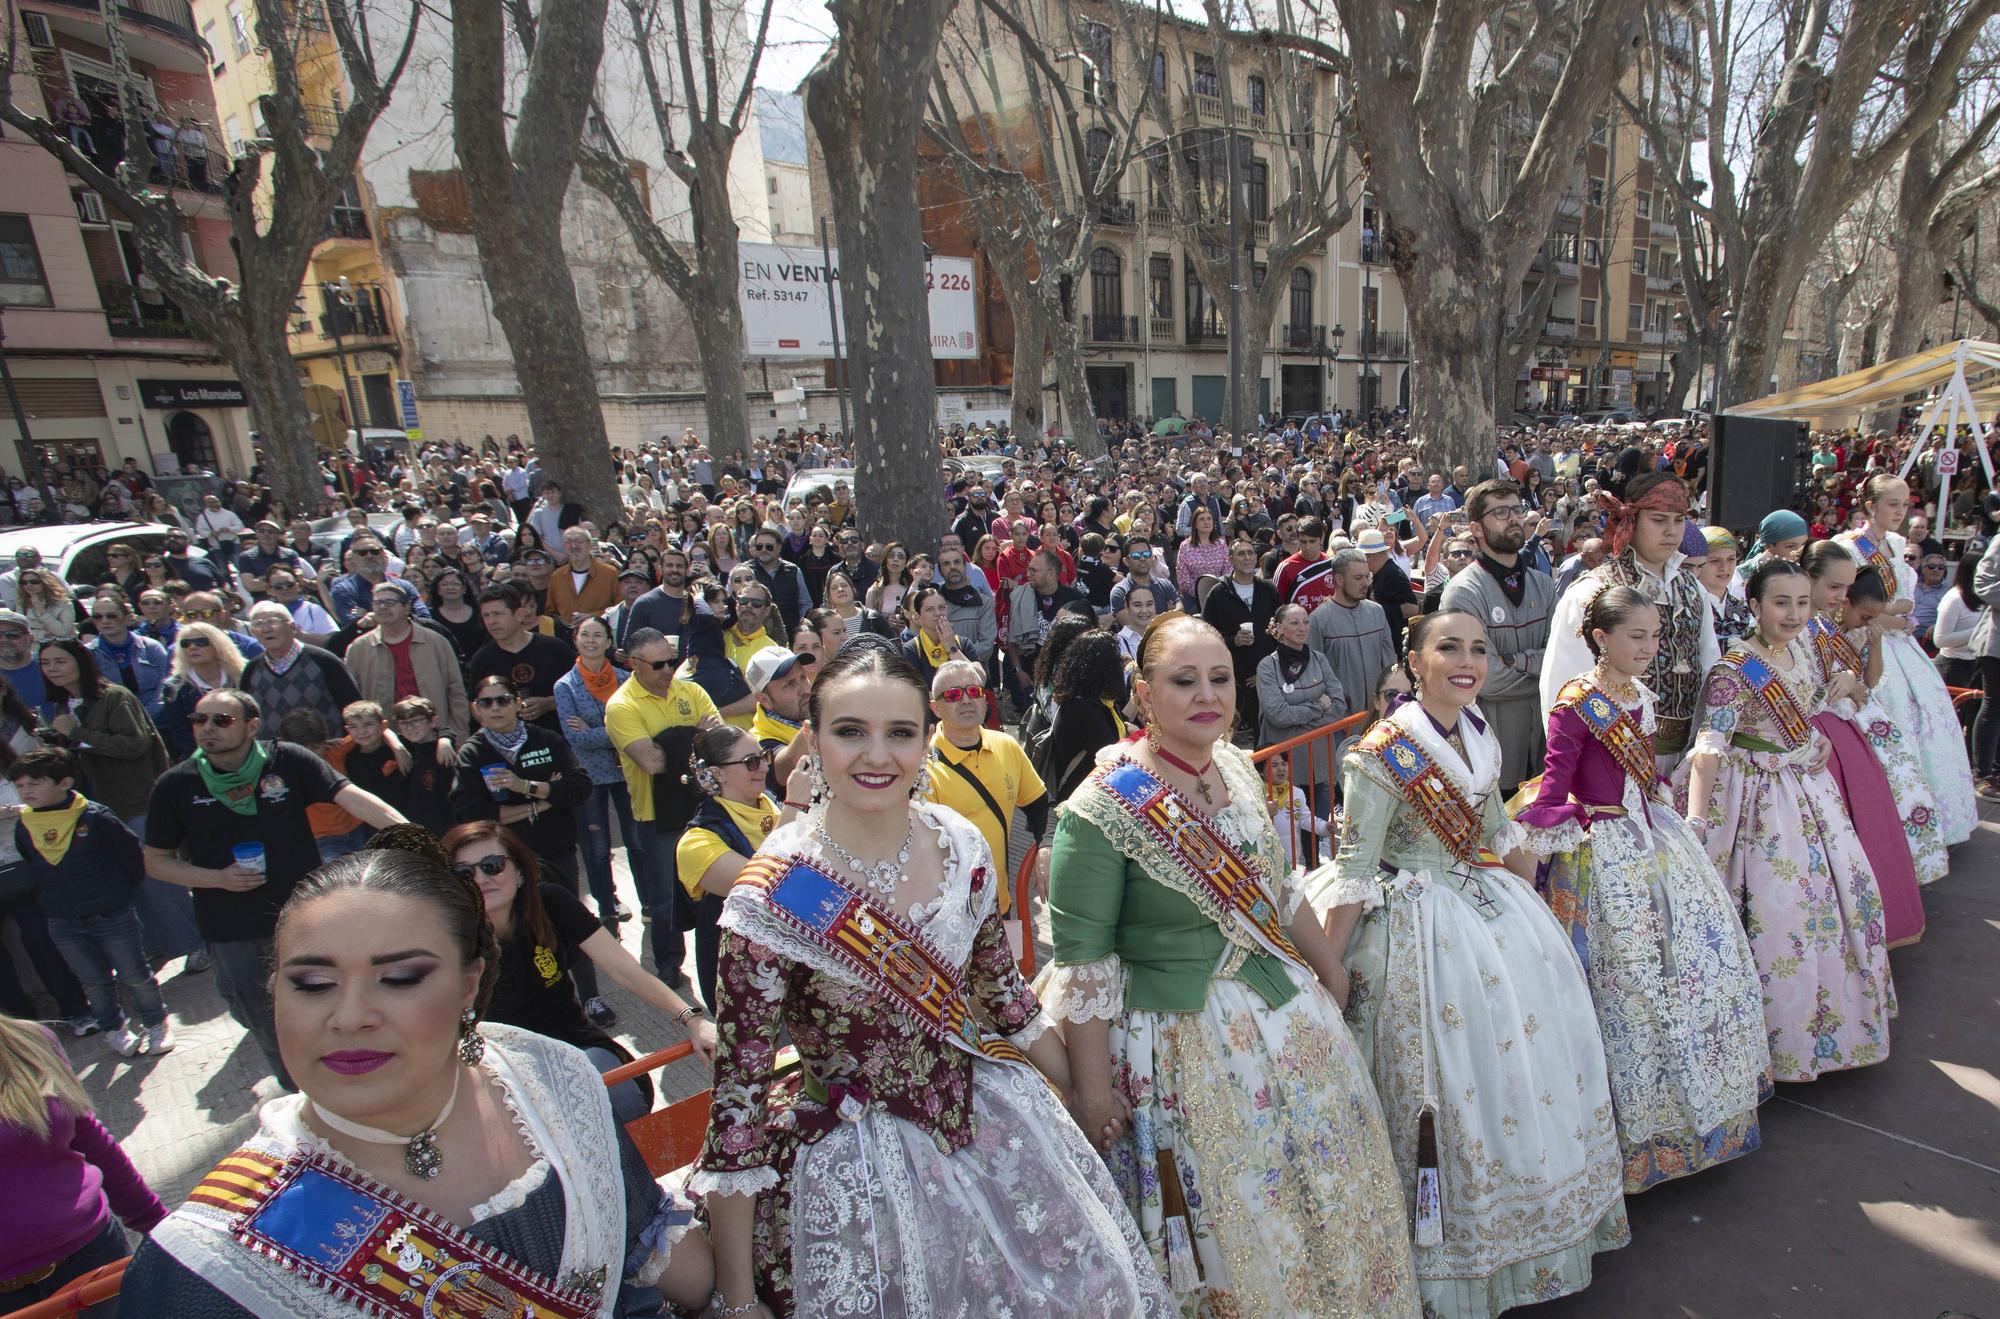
(90, 1289)
(670, 1137)
(1023, 879)
(1964, 695)
(1325, 737)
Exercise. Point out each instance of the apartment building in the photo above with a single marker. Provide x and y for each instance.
(781, 125)
(104, 366)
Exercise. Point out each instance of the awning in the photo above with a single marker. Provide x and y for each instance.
(1848, 398)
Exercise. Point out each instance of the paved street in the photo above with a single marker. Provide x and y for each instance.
(1876, 1195)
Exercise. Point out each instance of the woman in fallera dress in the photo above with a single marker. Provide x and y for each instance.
(914, 1165)
(1911, 692)
(1469, 1003)
(1200, 1003)
(1669, 967)
(1773, 822)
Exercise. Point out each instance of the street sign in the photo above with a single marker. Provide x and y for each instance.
(1947, 462)
(406, 393)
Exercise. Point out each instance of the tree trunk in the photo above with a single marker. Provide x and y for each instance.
(278, 412)
(1027, 417)
(1684, 369)
(1752, 348)
(719, 314)
(1072, 386)
(1516, 346)
(1455, 320)
(1260, 309)
(866, 101)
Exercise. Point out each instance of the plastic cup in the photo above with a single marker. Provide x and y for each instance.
(491, 773)
(250, 856)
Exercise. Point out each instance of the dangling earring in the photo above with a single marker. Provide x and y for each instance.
(821, 789)
(1152, 738)
(922, 786)
(471, 1045)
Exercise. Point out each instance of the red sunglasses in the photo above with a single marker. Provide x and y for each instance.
(952, 694)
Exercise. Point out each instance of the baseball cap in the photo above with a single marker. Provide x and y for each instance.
(770, 664)
(640, 573)
(9, 616)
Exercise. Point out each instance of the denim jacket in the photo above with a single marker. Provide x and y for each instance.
(592, 747)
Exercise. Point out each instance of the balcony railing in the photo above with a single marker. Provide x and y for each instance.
(173, 17)
(129, 316)
(1162, 328)
(1260, 231)
(1206, 107)
(1371, 252)
(1570, 204)
(1382, 343)
(320, 120)
(1303, 338)
(1111, 329)
(1662, 284)
(1559, 327)
(1117, 212)
(1207, 334)
(1663, 226)
(346, 222)
(1653, 337)
(1159, 212)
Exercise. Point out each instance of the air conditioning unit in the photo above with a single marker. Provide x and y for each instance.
(302, 327)
(89, 206)
(38, 30)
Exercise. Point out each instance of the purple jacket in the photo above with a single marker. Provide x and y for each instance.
(1577, 766)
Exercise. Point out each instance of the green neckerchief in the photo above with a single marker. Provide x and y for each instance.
(235, 788)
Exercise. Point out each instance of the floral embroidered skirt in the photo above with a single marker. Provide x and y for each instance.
(1469, 1000)
(1871, 801)
(1790, 858)
(1023, 1221)
(1915, 697)
(1268, 1118)
(1675, 986)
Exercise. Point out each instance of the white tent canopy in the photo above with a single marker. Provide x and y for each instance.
(1962, 379)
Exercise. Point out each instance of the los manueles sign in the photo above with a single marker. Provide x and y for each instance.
(192, 394)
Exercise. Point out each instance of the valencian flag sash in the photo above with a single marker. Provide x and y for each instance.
(364, 1244)
(1836, 652)
(1876, 556)
(872, 945)
(1614, 727)
(1226, 880)
(1431, 793)
(1764, 680)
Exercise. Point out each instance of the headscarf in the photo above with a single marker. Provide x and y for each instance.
(1694, 543)
(1666, 496)
(1719, 538)
(1779, 524)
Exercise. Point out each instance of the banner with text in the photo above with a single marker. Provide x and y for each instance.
(784, 296)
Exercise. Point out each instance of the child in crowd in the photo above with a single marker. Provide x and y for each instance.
(427, 791)
(336, 829)
(1139, 606)
(373, 756)
(86, 864)
(1291, 816)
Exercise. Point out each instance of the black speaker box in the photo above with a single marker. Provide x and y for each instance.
(1756, 465)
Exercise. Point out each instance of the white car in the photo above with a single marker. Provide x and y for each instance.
(822, 479)
(75, 550)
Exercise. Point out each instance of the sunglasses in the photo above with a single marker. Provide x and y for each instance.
(751, 602)
(485, 865)
(757, 761)
(653, 666)
(189, 643)
(107, 618)
(203, 615)
(281, 586)
(200, 720)
(952, 694)
(494, 702)
(368, 554)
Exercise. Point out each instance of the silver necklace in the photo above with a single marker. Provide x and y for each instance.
(884, 876)
(421, 1157)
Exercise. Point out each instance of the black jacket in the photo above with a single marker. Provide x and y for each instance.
(1225, 612)
(98, 873)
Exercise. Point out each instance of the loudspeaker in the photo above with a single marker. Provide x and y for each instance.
(1756, 465)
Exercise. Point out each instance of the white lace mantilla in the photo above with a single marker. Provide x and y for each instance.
(564, 1109)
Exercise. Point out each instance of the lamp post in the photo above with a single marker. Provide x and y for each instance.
(1333, 373)
(1728, 322)
(339, 321)
(1681, 324)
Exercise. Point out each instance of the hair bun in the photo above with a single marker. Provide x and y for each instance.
(409, 838)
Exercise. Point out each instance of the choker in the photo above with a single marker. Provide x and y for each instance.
(421, 1157)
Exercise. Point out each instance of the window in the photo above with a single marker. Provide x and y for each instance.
(1596, 193)
(1634, 316)
(1644, 201)
(232, 129)
(1591, 252)
(1096, 154)
(1254, 92)
(214, 40)
(1206, 81)
(1302, 300)
(21, 280)
(1645, 146)
(1586, 311)
(771, 185)
(1160, 70)
(1204, 317)
(1107, 283)
(239, 28)
(1097, 80)
(1160, 288)
(1640, 258)
(1159, 204)
(1257, 272)
(1257, 189)
(1597, 129)
(1562, 245)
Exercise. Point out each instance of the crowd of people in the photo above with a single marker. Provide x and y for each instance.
(1676, 786)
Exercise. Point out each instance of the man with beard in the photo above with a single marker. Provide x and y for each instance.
(1514, 602)
(666, 608)
(781, 682)
(1645, 537)
(1350, 629)
(1033, 607)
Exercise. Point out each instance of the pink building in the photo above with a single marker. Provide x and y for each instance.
(105, 366)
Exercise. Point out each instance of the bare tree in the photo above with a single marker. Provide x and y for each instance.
(517, 184)
(1197, 172)
(704, 275)
(866, 101)
(1822, 135)
(1039, 188)
(1518, 339)
(1432, 85)
(272, 237)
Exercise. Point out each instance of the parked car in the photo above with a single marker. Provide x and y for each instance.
(822, 479)
(75, 550)
(328, 532)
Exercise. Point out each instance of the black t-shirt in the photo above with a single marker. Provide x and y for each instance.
(534, 668)
(1392, 590)
(427, 788)
(377, 772)
(534, 990)
(184, 814)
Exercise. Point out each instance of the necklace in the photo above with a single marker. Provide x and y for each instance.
(1200, 783)
(883, 876)
(1619, 688)
(421, 1157)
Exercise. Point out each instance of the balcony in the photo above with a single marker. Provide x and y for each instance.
(1117, 213)
(1653, 337)
(1260, 231)
(1662, 226)
(1111, 329)
(1207, 334)
(128, 315)
(1570, 204)
(1662, 284)
(320, 120)
(1204, 107)
(1161, 328)
(174, 18)
(347, 222)
(1382, 343)
(1303, 338)
(1559, 327)
(1159, 212)
(1372, 252)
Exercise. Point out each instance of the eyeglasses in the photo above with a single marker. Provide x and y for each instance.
(203, 615)
(1508, 513)
(200, 720)
(494, 702)
(757, 761)
(485, 865)
(189, 643)
(751, 602)
(951, 695)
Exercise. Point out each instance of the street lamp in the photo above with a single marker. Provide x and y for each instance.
(339, 321)
(1728, 322)
(1681, 324)
(1333, 375)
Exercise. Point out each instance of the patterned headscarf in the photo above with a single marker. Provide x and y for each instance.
(1666, 496)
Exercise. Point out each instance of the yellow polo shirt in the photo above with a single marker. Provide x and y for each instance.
(739, 650)
(699, 848)
(634, 714)
(1001, 765)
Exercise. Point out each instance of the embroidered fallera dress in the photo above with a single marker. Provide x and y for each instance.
(1780, 836)
(1915, 697)
(1669, 967)
(1469, 1003)
(895, 1174)
(585, 1214)
(1244, 1084)
(1888, 800)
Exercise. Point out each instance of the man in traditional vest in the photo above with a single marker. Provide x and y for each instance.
(1644, 535)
